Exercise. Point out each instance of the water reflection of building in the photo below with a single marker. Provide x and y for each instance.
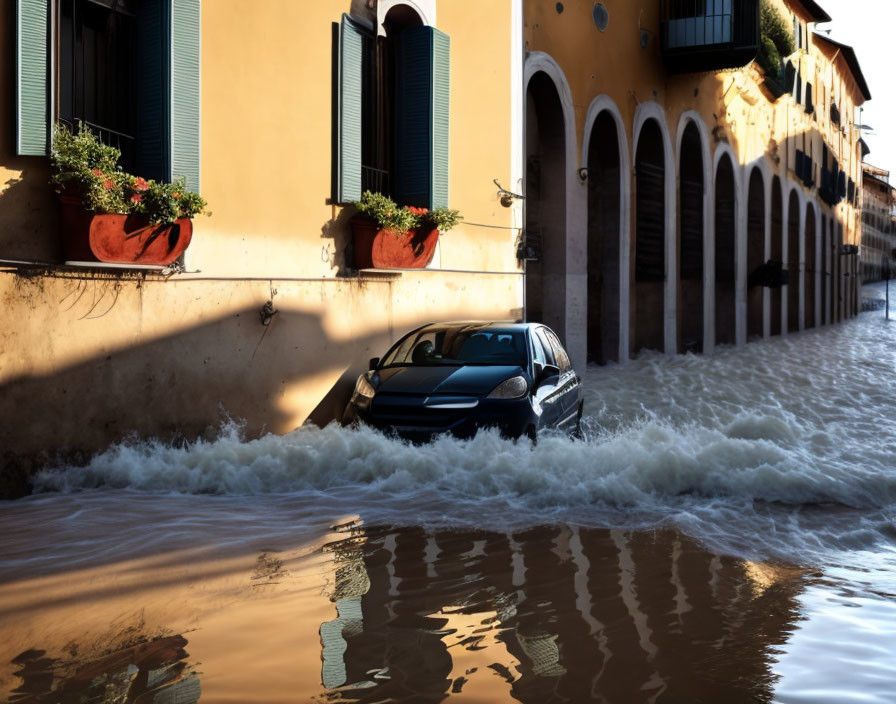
(150, 672)
(557, 614)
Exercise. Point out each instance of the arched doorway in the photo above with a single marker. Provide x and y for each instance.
(690, 270)
(545, 204)
(755, 253)
(793, 263)
(776, 254)
(650, 240)
(603, 240)
(836, 244)
(825, 272)
(726, 314)
(811, 267)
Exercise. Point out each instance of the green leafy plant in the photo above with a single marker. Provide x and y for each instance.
(86, 168)
(400, 219)
(776, 40)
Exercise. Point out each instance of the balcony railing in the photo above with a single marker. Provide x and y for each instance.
(706, 35)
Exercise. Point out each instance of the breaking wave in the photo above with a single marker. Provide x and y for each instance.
(792, 439)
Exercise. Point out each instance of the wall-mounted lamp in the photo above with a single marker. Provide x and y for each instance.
(267, 313)
(506, 197)
(583, 174)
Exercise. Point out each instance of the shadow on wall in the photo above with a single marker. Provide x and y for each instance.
(183, 386)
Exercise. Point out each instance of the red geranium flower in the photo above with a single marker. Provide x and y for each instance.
(107, 184)
(97, 172)
(140, 184)
(175, 195)
(136, 198)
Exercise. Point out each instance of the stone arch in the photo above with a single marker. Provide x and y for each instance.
(694, 189)
(756, 257)
(567, 209)
(776, 253)
(654, 289)
(811, 267)
(725, 247)
(605, 155)
(793, 262)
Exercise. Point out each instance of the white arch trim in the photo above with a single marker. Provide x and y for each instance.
(604, 103)
(740, 242)
(426, 9)
(653, 111)
(693, 117)
(576, 313)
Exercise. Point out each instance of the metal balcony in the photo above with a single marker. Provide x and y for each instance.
(708, 35)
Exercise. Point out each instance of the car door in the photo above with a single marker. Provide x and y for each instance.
(568, 387)
(548, 394)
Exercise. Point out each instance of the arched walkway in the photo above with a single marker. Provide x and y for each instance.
(604, 239)
(776, 254)
(650, 240)
(755, 253)
(545, 203)
(793, 262)
(725, 243)
(691, 191)
(811, 267)
(825, 271)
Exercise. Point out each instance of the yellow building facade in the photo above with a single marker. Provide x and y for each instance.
(90, 354)
(685, 196)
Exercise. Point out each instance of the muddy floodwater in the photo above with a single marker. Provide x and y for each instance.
(726, 532)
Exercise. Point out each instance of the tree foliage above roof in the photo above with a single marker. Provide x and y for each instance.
(776, 39)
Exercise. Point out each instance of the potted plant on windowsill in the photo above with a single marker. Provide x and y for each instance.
(111, 216)
(388, 236)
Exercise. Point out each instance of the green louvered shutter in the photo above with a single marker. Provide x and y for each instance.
(154, 50)
(32, 111)
(349, 111)
(422, 94)
(185, 91)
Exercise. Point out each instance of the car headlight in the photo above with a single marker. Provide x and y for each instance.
(364, 388)
(515, 387)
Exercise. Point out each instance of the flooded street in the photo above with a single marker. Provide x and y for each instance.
(725, 532)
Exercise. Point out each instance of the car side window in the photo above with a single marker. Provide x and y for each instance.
(542, 341)
(559, 353)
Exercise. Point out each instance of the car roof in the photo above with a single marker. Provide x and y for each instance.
(482, 325)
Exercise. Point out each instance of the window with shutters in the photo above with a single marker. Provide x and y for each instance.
(129, 69)
(392, 111)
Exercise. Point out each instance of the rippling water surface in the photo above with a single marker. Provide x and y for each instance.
(724, 533)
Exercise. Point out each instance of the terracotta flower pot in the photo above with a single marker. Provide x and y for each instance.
(377, 248)
(120, 239)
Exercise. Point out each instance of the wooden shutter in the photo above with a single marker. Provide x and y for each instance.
(422, 116)
(185, 91)
(154, 50)
(32, 95)
(349, 111)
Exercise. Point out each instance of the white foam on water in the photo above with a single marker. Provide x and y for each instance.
(784, 448)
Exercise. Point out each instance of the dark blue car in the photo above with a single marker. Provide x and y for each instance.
(459, 377)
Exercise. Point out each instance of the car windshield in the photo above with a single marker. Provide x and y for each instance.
(459, 346)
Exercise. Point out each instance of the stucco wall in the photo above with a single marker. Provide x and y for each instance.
(86, 361)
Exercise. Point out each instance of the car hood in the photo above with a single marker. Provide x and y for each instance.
(471, 381)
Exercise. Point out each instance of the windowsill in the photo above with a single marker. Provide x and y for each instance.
(76, 266)
(397, 273)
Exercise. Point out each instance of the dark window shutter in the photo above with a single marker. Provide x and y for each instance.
(799, 90)
(349, 111)
(185, 87)
(32, 111)
(422, 91)
(789, 76)
(153, 48)
(810, 105)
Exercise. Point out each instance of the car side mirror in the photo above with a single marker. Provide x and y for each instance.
(374, 361)
(546, 372)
